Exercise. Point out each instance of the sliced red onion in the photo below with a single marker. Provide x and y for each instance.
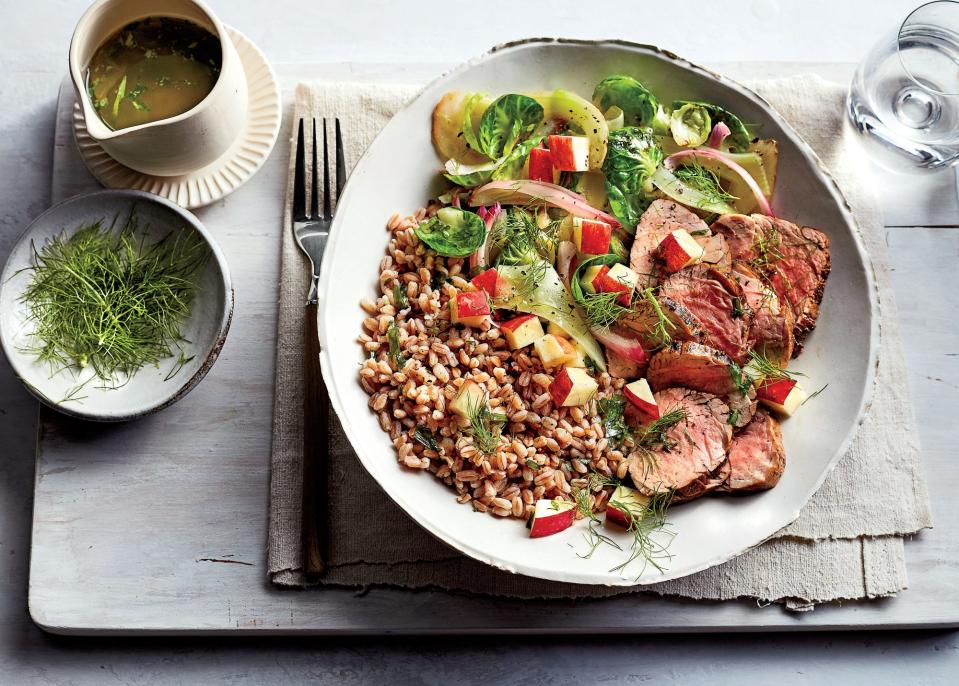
(671, 163)
(478, 258)
(521, 192)
(718, 135)
(629, 348)
(565, 255)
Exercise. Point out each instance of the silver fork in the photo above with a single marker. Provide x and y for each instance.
(312, 231)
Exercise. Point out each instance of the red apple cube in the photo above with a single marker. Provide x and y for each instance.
(572, 386)
(625, 504)
(600, 279)
(679, 250)
(541, 166)
(782, 395)
(486, 281)
(470, 308)
(591, 237)
(553, 351)
(470, 396)
(640, 395)
(522, 330)
(551, 517)
(570, 153)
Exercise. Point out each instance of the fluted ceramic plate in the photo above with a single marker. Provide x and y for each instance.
(234, 168)
(400, 172)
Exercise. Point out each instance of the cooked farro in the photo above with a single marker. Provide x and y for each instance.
(543, 447)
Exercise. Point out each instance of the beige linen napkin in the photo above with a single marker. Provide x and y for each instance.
(846, 544)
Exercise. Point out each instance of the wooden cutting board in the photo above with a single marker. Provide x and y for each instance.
(160, 526)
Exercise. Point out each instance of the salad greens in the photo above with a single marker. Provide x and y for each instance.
(690, 124)
(550, 300)
(632, 159)
(509, 120)
(453, 232)
(639, 106)
(738, 139)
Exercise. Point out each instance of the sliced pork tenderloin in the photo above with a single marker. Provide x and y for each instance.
(694, 447)
(659, 220)
(757, 457)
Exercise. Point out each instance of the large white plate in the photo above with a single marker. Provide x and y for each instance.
(399, 172)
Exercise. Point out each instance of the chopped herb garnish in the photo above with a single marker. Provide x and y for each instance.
(396, 352)
(653, 435)
(813, 395)
(424, 436)
(486, 426)
(611, 411)
(737, 308)
(734, 415)
(663, 323)
(400, 299)
(533, 464)
(108, 299)
(740, 380)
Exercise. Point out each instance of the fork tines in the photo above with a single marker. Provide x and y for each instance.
(303, 178)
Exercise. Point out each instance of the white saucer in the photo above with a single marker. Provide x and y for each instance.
(216, 180)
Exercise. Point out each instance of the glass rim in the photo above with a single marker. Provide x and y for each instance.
(899, 38)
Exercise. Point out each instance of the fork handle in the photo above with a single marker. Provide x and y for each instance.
(316, 431)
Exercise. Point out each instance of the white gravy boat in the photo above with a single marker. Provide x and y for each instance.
(176, 145)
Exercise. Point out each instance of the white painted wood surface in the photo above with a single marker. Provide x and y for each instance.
(160, 526)
(32, 50)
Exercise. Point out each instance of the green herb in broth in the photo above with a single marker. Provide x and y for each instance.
(152, 69)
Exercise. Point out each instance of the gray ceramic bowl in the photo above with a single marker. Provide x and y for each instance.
(150, 389)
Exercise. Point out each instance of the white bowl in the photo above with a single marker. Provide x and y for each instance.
(149, 389)
(400, 172)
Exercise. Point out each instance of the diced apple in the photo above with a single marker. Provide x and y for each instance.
(541, 166)
(522, 330)
(599, 279)
(551, 517)
(572, 386)
(570, 153)
(640, 395)
(553, 351)
(486, 281)
(679, 250)
(579, 357)
(625, 504)
(471, 395)
(782, 395)
(623, 275)
(557, 330)
(591, 237)
(470, 308)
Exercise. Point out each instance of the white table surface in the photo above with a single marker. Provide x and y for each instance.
(32, 40)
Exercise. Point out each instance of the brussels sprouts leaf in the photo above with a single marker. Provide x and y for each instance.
(453, 232)
(510, 119)
(632, 158)
(738, 139)
(640, 107)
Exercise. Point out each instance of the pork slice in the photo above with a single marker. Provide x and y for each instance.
(742, 233)
(694, 366)
(771, 326)
(757, 457)
(717, 480)
(659, 220)
(720, 313)
(742, 407)
(695, 446)
(799, 275)
(643, 320)
(621, 368)
(717, 253)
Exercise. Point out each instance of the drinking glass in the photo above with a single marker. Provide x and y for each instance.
(904, 97)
